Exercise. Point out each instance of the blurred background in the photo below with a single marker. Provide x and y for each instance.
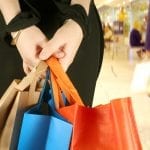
(126, 11)
(126, 68)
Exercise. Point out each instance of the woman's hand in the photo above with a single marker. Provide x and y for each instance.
(64, 44)
(29, 44)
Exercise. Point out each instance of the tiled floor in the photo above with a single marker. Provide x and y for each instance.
(115, 81)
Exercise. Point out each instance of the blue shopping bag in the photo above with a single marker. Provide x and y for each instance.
(42, 127)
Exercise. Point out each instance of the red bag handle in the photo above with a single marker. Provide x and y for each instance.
(60, 79)
(56, 92)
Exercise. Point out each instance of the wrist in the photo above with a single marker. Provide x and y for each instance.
(78, 27)
(78, 14)
(9, 9)
(15, 35)
(85, 4)
(22, 21)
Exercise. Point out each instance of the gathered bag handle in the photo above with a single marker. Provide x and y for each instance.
(61, 81)
(33, 75)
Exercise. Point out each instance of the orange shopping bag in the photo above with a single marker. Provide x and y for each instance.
(105, 127)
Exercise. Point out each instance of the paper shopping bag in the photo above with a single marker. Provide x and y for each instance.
(6, 103)
(104, 127)
(43, 128)
(21, 97)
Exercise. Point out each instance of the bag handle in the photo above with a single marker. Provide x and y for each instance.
(57, 94)
(27, 80)
(32, 99)
(41, 68)
(60, 79)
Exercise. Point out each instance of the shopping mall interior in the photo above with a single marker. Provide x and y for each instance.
(124, 73)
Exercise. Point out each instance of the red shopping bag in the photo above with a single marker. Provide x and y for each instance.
(105, 127)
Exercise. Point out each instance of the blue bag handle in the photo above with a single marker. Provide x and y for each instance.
(46, 104)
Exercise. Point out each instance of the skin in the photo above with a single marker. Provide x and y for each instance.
(34, 46)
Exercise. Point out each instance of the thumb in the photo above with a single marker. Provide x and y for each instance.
(52, 48)
(47, 51)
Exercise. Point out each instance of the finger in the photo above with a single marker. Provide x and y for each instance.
(36, 62)
(26, 68)
(65, 62)
(40, 46)
(47, 51)
(52, 47)
(59, 54)
(29, 66)
(45, 54)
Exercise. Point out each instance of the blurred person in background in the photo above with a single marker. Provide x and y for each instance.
(108, 33)
(135, 38)
(147, 39)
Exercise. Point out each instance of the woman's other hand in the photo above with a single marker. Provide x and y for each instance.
(29, 44)
(64, 44)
